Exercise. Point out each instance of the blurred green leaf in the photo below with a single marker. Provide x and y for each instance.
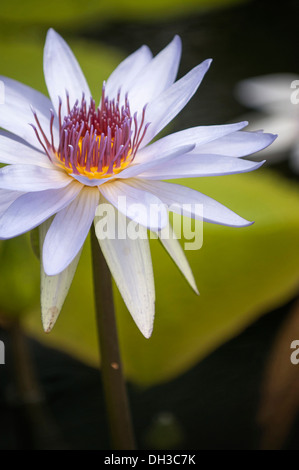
(73, 13)
(241, 273)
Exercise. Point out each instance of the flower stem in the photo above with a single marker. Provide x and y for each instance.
(117, 405)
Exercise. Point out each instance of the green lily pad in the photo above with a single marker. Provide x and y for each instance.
(241, 273)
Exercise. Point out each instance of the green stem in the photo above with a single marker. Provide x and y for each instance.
(118, 412)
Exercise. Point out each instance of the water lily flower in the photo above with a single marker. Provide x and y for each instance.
(276, 99)
(66, 155)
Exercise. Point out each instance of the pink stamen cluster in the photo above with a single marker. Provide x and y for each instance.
(94, 139)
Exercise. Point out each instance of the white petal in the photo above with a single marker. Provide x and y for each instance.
(286, 128)
(262, 91)
(54, 289)
(155, 77)
(195, 135)
(7, 198)
(90, 182)
(68, 231)
(173, 247)
(183, 200)
(139, 205)
(31, 209)
(62, 72)
(237, 144)
(126, 72)
(168, 104)
(16, 113)
(32, 178)
(191, 166)
(15, 150)
(130, 264)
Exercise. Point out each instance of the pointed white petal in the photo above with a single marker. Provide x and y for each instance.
(195, 135)
(126, 72)
(130, 264)
(173, 247)
(62, 72)
(139, 205)
(16, 112)
(31, 209)
(68, 231)
(191, 166)
(155, 77)
(183, 200)
(237, 144)
(15, 150)
(32, 178)
(169, 103)
(54, 289)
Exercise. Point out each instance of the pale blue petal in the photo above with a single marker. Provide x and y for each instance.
(7, 198)
(32, 178)
(139, 205)
(124, 75)
(155, 77)
(16, 113)
(15, 150)
(176, 252)
(192, 166)
(164, 157)
(31, 209)
(54, 289)
(168, 104)
(237, 144)
(195, 135)
(183, 200)
(131, 267)
(62, 72)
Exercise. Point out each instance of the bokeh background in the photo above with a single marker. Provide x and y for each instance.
(216, 373)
